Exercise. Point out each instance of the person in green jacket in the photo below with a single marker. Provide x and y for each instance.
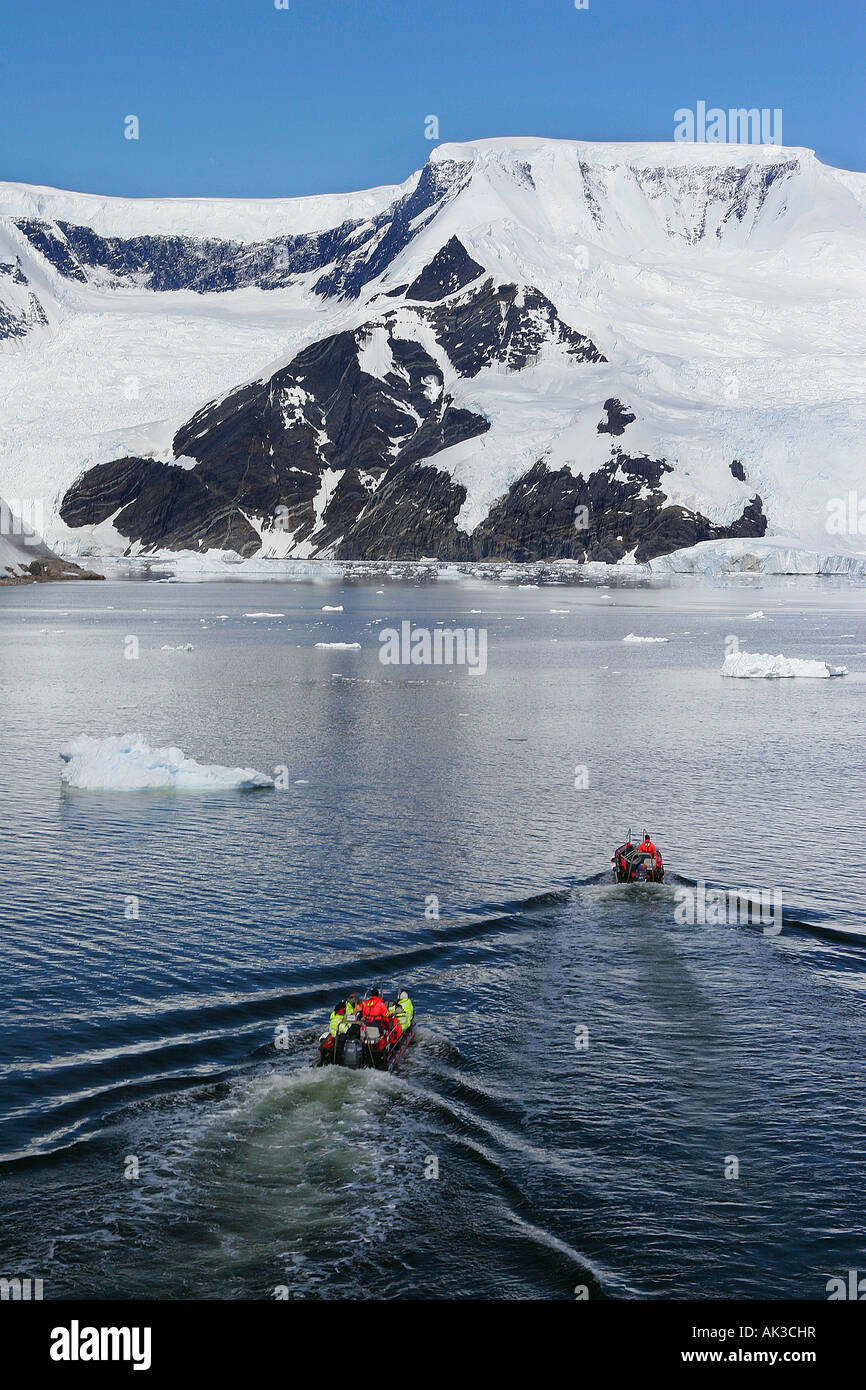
(405, 1010)
(338, 1018)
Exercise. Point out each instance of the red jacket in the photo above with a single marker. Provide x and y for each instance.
(375, 1009)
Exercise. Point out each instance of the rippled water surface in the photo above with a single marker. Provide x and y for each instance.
(151, 1040)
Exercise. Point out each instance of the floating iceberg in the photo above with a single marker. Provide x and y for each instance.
(332, 608)
(187, 647)
(341, 646)
(754, 665)
(750, 617)
(632, 637)
(125, 762)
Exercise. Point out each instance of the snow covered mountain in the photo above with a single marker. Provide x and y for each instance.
(530, 349)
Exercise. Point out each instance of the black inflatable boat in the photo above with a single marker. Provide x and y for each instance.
(637, 863)
(363, 1043)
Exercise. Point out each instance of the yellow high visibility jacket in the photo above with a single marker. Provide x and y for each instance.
(405, 1011)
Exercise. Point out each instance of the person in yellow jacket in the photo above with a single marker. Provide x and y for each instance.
(342, 1015)
(351, 1012)
(405, 1010)
(338, 1018)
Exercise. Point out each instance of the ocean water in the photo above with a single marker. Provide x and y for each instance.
(601, 1096)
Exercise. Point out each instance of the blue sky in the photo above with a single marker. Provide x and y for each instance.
(236, 97)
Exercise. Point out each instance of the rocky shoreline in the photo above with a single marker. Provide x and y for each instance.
(47, 571)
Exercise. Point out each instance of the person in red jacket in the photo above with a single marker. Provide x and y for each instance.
(647, 847)
(374, 1007)
(375, 1010)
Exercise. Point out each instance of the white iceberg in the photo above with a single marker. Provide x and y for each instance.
(341, 646)
(750, 617)
(758, 665)
(186, 647)
(332, 608)
(264, 615)
(125, 762)
(633, 637)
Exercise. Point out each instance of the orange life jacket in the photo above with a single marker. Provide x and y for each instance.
(375, 1009)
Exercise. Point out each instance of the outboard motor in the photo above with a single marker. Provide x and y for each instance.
(353, 1053)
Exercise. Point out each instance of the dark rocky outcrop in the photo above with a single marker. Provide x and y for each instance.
(265, 450)
(47, 571)
(619, 510)
(203, 264)
(505, 324)
(617, 417)
(388, 234)
(451, 269)
(412, 515)
(350, 255)
(19, 312)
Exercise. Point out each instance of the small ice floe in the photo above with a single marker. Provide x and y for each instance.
(340, 646)
(755, 665)
(560, 610)
(751, 617)
(633, 637)
(125, 762)
(185, 647)
(264, 615)
(332, 608)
